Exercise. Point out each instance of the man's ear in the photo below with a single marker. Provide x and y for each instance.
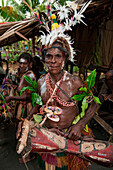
(67, 55)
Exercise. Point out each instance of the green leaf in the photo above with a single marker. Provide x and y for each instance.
(24, 88)
(84, 107)
(11, 14)
(86, 129)
(76, 120)
(89, 94)
(4, 101)
(91, 79)
(82, 113)
(79, 97)
(34, 98)
(96, 99)
(28, 79)
(40, 103)
(39, 100)
(34, 84)
(37, 118)
(83, 89)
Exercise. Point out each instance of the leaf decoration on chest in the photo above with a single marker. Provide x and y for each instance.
(33, 88)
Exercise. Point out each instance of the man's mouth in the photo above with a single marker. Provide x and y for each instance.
(53, 67)
(23, 69)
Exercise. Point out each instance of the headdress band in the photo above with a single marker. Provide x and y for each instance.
(60, 48)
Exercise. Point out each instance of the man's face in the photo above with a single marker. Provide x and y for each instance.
(54, 59)
(23, 65)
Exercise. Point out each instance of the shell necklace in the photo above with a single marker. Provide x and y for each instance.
(54, 92)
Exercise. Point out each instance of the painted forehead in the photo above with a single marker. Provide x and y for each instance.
(54, 51)
(22, 60)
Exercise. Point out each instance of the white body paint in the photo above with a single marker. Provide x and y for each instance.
(43, 88)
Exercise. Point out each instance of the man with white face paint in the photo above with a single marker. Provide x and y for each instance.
(24, 103)
(56, 89)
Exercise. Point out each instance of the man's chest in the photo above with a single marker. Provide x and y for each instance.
(54, 92)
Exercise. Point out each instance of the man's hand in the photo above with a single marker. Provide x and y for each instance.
(75, 132)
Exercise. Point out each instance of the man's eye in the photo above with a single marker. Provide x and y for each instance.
(22, 63)
(58, 55)
(48, 56)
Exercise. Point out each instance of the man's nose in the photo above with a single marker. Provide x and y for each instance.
(21, 65)
(53, 59)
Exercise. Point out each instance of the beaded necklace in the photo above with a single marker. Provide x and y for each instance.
(53, 92)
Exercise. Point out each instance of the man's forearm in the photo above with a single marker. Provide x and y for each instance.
(88, 115)
(20, 98)
(34, 110)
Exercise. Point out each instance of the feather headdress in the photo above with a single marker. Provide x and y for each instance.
(67, 16)
(58, 35)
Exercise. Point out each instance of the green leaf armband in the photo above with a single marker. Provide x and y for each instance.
(76, 120)
(86, 96)
(36, 99)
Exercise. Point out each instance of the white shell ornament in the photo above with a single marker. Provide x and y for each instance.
(53, 112)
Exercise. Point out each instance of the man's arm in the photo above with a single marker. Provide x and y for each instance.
(24, 83)
(24, 97)
(75, 131)
(34, 110)
(89, 114)
(17, 98)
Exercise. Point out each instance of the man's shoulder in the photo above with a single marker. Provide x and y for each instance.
(30, 74)
(74, 81)
(72, 77)
(41, 79)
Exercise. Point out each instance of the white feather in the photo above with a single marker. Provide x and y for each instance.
(56, 5)
(84, 7)
(64, 13)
